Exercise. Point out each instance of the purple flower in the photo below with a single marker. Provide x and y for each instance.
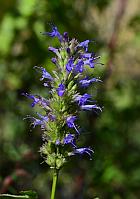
(68, 50)
(90, 107)
(79, 66)
(54, 60)
(86, 82)
(70, 139)
(54, 33)
(81, 151)
(65, 36)
(57, 142)
(86, 55)
(45, 74)
(42, 117)
(82, 99)
(54, 50)
(89, 62)
(51, 117)
(43, 102)
(37, 122)
(45, 84)
(70, 65)
(61, 90)
(84, 44)
(70, 122)
(89, 55)
(41, 122)
(37, 100)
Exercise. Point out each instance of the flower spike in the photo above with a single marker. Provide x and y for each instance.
(67, 97)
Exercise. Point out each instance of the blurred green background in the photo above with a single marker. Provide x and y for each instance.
(114, 172)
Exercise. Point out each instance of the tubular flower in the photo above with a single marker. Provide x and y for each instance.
(79, 67)
(65, 36)
(54, 60)
(37, 100)
(54, 33)
(70, 123)
(70, 139)
(84, 45)
(81, 151)
(86, 55)
(61, 90)
(38, 122)
(69, 65)
(82, 99)
(66, 99)
(55, 51)
(90, 107)
(90, 62)
(45, 74)
(86, 82)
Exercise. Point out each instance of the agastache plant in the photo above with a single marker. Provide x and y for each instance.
(59, 124)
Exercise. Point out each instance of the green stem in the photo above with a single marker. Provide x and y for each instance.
(55, 176)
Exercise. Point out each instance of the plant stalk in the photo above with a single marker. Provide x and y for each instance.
(55, 176)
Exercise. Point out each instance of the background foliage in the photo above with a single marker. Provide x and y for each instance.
(114, 172)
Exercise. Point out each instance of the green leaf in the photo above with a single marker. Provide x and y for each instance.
(7, 196)
(23, 195)
(30, 193)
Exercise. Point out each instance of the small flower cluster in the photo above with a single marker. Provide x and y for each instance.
(59, 124)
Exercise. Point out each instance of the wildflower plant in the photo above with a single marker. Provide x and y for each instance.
(59, 123)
